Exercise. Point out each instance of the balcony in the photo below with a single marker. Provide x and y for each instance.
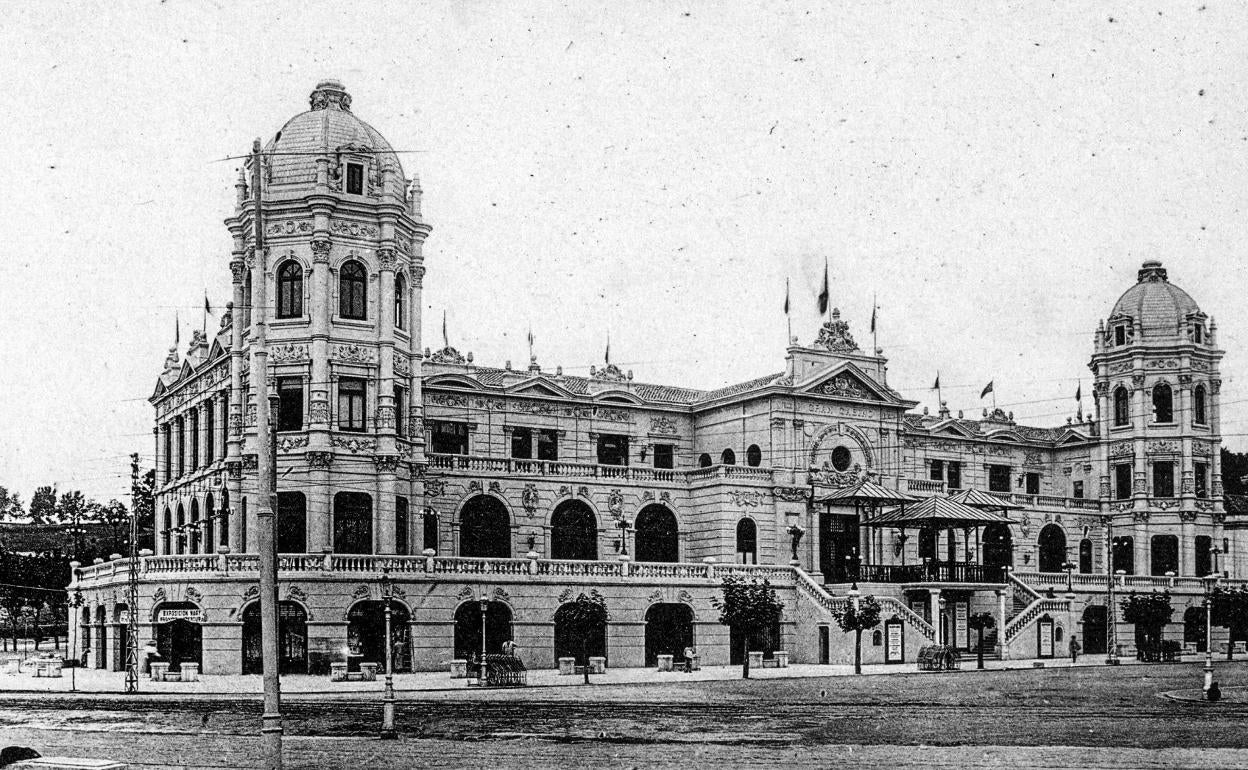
(574, 470)
(931, 572)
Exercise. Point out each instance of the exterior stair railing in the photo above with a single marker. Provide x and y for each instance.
(808, 587)
(1036, 607)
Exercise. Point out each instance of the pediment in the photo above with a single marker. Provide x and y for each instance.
(1006, 436)
(618, 397)
(1072, 437)
(951, 428)
(452, 381)
(216, 351)
(540, 386)
(847, 381)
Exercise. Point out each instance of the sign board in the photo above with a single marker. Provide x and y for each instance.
(166, 616)
(1045, 629)
(961, 636)
(894, 642)
(123, 616)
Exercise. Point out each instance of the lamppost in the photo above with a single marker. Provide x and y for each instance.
(1069, 568)
(1111, 617)
(76, 603)
(1210, 582)
(485, 605)
(625, 527)
(387, 701)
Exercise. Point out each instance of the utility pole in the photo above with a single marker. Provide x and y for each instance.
(1111, 614)
(266, 472)
(132, 593)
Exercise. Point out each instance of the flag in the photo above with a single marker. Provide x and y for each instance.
(530, 338)
(177, 330)
(445, 340)
(607, 355)
(873, 309)
(987, 389)
(1079, 392)
(786, 296)
(936, 386)
(824, 294)
(207, 305)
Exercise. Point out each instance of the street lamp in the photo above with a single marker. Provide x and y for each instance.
(1069, 568)
(387, 701)
(625, 527)
(76, 603)
(1210, 582)
(485, 605)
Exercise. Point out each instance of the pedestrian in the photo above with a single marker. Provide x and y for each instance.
(689, 653)
(150, 653)
(1075, 649)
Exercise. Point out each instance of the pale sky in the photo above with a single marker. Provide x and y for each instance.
(995, 173)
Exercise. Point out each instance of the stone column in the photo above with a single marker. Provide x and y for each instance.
(386, 458)
(1002, 594)
(933, 597)
(239, 313)
(319, 456)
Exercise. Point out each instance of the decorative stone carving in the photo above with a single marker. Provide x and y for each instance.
(829, 477)
(1032, 458)
(319, 459)
(662, 424)
(251, 462)
(647, 496)
(565, 491)
(790, 494)
(288, 353)
(615, 503)
(1165, 505)
(665, 497)
(751, 499)
(608, 373)
(297, 594)
(402, 366)
(496, 488)
(385, 258)
(357, 354)
(1140, 516)
(434, 487)
(321, 247)
(583, 492)
(289, 227)
(655, 596)
(1188, 516)
(291, 443)
(501, 595)
(361, 592)
(192, 594)
(835, 336)
(234, 469)
(353, 229)
(529, 497)
(843, 386)
(1163, 363)
(238, 270)
(354, 445)
(1162, 447)
(318, 412)
(1185, 379)
(474, 486)
(385, 416)
(386, 463)
(1204, 505)
(1200, 448)
(1215, 386)
(448, 355)
(1137, 380)
(1122, 449)
(684, 596)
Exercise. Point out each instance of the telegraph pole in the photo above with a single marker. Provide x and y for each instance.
(271, 731)
(132, 593)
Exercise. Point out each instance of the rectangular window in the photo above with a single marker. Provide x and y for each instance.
(194, 439)
(1202, 481)
(954, 475)
(998, 478)
(400, 525)
(449, 438)
(430, 525)
(400, 410)
(210, 432)
(1077, 492)
(1197, 337)
(1163, 479)
(1122, 481)
(522, 443)
(168, 453)
(181, 446)
(1033, 483)
(937, 471)
(355, 179)
(351, 403)
(1204, 560)
(290, 403)
(548, 445)
(612, 449)
(1120, 335)
(664, 456)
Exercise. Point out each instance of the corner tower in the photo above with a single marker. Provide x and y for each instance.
(1157, 384)
(343, 237)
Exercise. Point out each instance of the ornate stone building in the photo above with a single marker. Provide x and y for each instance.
(453, 487)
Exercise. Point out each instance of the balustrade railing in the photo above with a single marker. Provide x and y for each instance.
(563, 468)
(931, 572)
(1082, 580)
(925, 485)
(1036, 609)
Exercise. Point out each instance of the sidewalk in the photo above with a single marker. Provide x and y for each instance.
(92, 681)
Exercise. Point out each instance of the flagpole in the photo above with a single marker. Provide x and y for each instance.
(875, 336)
(788, 317)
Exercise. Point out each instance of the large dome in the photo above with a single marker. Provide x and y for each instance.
(1158, 308)
(328, 127)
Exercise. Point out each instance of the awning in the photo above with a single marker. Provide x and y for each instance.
(866, 492)
(984, 501)
(937, 511)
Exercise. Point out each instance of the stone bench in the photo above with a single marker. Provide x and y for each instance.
(367, 673)
(779, 659)
(49, 667)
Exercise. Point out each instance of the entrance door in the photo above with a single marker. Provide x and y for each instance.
(180, 641)
(669, 630)
(825, 644)
(838, 547)
(1095, 630)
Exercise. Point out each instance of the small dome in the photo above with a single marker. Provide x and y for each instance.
(1157, 307)
(328, 127)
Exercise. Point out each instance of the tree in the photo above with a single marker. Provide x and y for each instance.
(1230, 610)
(43, 505)
(117, 518)
(1234, 468)
(143, 501)
(1149, 612)
(11, 507)
(980, 622)
(583, 617)
(858, 616)
(751, 609)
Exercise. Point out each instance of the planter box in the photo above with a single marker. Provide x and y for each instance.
(159, 671)
(369, 671)
(756, 659)
(337, 672)
(665, 662)
(567, 666)
(190, 673)
(782, 658)
(459, 669)
(597, 665)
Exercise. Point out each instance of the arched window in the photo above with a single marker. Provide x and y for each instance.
(210, 543)
(1052, 543)
(352, 290)
(247, 296)
(484, 528)
(400, 301)
(1198, 406)
(1085, 556)
(192, 531)
(704, 460)
(573, 532)
(728, 457)
(1122, 406)
(1122, 553)
(290, 289)
(747, 542)
(430, 522)
(223, 531)
(1163, 403)
(754, 456)
(1165, 555)
(166, 536)
(179, 536)
(657, 536)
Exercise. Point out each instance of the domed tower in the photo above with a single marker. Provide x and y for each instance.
(1157, 385)
(342, 270)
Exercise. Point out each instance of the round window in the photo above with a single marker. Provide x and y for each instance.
(841, 458)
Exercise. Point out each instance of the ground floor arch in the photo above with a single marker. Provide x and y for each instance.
(366, 635)
(1095, 630)
(658, 535)
(767, 641)
(179, 636)
(101, 643)
(1194, 627)
(581, 647)
(669, 630)
(292, 639)
(469, 631)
